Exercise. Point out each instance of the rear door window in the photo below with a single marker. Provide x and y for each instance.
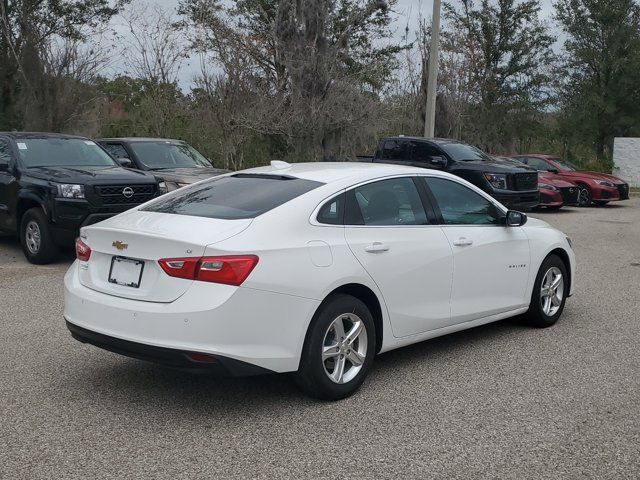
(396, 150)
(234, 197)
(392, 202)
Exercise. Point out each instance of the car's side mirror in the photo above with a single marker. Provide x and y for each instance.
(515, 219)
(439, 162)
(124, 162)
(552, 170)
(4, 166)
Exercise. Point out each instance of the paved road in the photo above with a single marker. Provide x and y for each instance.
(500, 401)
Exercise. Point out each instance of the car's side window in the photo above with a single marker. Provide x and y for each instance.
(395, 150)
(459, 205)
(332, 212)
(423, 151)
(5, 152)
(391, 202)
(116, 150)
(538, 164)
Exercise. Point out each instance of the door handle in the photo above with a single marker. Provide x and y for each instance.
(463, 242)
(376, 247)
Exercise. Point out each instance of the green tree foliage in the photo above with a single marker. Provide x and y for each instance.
(34, 35)
(307, 71)
(510, 68)
(601, 69)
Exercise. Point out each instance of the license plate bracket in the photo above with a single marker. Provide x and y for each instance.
(126, 271)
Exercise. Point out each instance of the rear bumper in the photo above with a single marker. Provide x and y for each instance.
(169, 357)
(256, 327)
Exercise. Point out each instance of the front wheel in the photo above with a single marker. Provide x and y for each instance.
(549, 295)
(35, 237)
(338, 350)
(584, 199)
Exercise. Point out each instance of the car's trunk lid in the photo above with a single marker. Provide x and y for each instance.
(139, 240)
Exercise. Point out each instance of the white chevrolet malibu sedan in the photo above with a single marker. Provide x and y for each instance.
(310, 268)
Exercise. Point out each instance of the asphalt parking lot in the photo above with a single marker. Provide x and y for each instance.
(499, 401)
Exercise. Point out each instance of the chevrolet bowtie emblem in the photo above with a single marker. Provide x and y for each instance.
(119, 245)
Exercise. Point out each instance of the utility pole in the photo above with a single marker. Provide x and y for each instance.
(432, 76)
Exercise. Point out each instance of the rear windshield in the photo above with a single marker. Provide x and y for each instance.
(62, 152)
(234, 197)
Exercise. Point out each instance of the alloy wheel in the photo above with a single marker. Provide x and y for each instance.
(344, 348)
(33, 237)
(584, 198)
(552, 291)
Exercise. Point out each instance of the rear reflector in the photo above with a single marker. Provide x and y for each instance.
(83, 252)
(200, 357)
(229, 270)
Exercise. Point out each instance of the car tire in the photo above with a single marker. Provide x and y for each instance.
(547, 302)
(35, 237)
(555, 208)
(601, 203)
(585, 197)
(337, 372)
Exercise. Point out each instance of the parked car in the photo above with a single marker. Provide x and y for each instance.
(595, 187)
(515, 185)
(177, 162)
(51, 185)
(310, 268)
(555, 191)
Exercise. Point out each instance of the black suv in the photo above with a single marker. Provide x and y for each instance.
(516, 186)
(53, 184)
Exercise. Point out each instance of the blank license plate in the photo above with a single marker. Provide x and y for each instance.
(126, 271)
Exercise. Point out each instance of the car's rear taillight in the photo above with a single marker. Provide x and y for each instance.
(229, 270)
(83, 252)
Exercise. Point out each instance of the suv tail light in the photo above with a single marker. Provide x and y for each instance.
(229, 270)
(83, 251)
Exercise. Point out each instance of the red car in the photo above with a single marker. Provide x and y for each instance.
(555, 191)
(595, 187)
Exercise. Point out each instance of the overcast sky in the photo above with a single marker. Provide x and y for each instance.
(406, 15)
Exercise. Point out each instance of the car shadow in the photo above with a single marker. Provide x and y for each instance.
(11, 252)
(124, 380)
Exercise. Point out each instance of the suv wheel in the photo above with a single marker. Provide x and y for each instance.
(339, 349)
(549, 293)
(35, 237)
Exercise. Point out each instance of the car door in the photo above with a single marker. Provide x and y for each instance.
(8, 186)
(491, 261)
(394, 235)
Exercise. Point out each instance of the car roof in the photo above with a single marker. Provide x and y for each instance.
(438, 140)
(332, 172)
(39, 135)
(139, 139)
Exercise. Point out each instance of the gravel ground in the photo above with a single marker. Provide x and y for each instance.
(499, 401)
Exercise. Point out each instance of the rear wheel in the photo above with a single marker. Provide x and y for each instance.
(584, 199)
(549, 293)
(339, 349)
(35, 237)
